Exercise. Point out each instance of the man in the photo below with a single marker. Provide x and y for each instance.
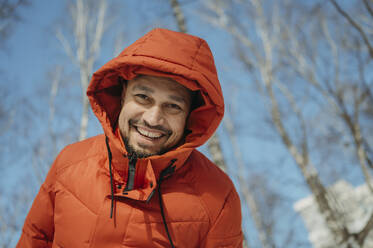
(142, 183)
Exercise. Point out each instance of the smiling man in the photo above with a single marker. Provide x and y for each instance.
(153, 115)
(143, 183)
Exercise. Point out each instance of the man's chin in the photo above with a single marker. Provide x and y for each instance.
(138, 151)
(144, 152)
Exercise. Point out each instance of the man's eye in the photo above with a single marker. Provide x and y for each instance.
(173, 108)
(142, 98)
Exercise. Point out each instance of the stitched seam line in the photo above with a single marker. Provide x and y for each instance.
(231, 237)
(195, 56)
(128, 223)
(177, 221)
(141, 44)
(93, 233)
(36, 238)
(64, 167)
(77, 198)
(207, 212)
(155, 68)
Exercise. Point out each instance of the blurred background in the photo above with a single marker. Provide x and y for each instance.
(297, 78)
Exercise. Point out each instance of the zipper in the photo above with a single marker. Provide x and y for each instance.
(131, 174)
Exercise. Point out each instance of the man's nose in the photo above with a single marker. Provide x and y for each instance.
(154, 116)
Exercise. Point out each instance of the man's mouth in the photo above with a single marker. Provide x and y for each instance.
(151, 134)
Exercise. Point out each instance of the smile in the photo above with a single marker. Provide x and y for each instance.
(149, 134)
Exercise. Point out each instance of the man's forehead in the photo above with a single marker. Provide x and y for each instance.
(151, 79)
(153, 83)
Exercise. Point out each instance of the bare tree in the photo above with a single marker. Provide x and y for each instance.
(10, 221)
(83, 45)
(361, 92)
(179, 16)
(9, 16)
(216, 152)
(276, 50)
(359, 28)
(214, 142)
(89, 24)
(246, 190)
(6, 113)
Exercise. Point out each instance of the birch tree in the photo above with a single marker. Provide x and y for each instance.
(8, 17)
(214, 146)
(10, 223)
(215, 150)
(294, 57)
(89, 24)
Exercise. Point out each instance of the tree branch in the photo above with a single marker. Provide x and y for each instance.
(178, 14)
(367, 5)
(355, 25)
(249, 197)
(66, 46)
(361, 236)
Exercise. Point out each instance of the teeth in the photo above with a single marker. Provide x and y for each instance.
(149, 134)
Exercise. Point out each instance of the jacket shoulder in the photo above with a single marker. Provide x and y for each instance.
(79, 151)
(221, 200)
(211, 183)
(205, 173)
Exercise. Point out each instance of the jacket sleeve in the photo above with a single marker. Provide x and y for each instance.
(227, 231)
(38, 229)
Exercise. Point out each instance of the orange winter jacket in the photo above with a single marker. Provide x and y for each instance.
(179, 197)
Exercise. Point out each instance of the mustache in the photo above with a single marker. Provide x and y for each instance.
(161, 128)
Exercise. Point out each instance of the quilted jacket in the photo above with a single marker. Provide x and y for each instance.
(179, 197)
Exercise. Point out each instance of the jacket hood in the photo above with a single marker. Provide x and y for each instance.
(185, 58)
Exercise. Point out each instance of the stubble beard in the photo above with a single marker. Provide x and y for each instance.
(133, 152)
(136, 153)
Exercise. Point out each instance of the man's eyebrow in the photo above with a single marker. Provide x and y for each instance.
(179, 99)
(143, 88)
(176, 98)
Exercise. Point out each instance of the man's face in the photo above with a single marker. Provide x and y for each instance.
(153, 115)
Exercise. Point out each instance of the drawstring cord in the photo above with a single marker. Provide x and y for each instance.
(167, 171)
(111, 178)
(164, 173)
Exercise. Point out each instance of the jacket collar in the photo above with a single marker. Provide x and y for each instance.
(148, 169)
